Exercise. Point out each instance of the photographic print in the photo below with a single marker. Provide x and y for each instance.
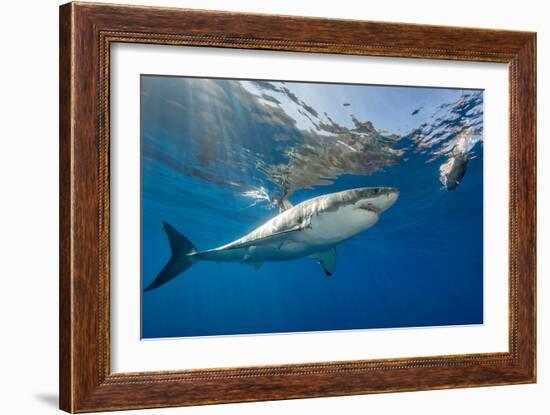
(273, 206)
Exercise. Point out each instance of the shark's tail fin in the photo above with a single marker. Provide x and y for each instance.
(182, 250)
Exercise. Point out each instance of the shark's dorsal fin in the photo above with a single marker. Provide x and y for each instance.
(327, 260)
(284, 204)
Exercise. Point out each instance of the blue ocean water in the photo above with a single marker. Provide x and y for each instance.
(216, 155)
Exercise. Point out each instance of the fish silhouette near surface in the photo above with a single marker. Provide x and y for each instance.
(311, 228)
(453, 170)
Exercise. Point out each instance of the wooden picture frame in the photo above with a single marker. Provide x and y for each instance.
(86, 33)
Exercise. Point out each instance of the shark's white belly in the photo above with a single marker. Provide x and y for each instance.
(334, 227)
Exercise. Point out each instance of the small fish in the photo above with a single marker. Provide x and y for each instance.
(416, 111)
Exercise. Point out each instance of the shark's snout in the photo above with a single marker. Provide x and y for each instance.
(391, 196)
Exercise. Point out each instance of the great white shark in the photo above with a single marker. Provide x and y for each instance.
(311, 228)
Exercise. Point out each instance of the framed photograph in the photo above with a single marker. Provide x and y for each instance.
(258, 207)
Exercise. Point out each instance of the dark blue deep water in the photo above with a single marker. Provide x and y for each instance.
(217, 154)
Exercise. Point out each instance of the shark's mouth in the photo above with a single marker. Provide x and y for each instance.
(371, 207)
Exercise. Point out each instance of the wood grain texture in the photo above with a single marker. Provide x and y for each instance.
(65, 246)
(86, 33)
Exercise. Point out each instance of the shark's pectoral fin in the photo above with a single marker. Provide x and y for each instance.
(327, 259)
(255, 265)
(274, 237)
